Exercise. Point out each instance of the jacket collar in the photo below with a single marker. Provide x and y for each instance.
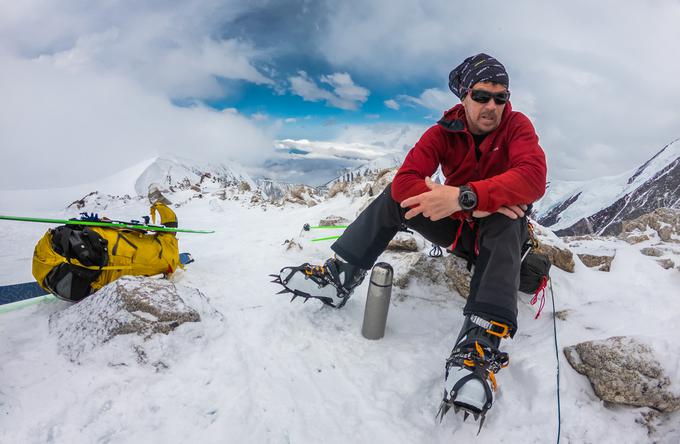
(454, 119)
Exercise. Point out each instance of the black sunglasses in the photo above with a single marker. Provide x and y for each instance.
(481, 96)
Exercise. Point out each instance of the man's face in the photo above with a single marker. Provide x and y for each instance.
(482, 118)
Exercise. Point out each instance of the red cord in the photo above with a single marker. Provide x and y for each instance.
(455, 241)
(541, 289)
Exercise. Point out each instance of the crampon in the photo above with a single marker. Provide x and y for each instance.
(331, 283)
(471, 377)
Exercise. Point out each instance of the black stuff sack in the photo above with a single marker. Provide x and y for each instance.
(534, 271)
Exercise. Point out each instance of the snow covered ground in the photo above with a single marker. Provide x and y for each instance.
(280, 372)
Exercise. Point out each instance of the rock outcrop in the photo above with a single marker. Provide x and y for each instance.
(602, 263)
(449, 270)
(155, 194)
(562, 258)
(665, 222)
(333, 221)
(133, 319)
(625, 370)
(403, 244)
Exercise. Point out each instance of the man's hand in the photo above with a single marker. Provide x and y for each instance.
(441, 201)
(512, 211)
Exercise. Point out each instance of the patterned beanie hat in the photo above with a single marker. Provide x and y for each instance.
(478, 68)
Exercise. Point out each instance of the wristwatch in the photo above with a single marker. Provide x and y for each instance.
(467, 198)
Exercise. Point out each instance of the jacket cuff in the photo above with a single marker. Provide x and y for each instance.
(482, 191)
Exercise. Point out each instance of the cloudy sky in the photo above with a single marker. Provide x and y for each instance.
(87, 88)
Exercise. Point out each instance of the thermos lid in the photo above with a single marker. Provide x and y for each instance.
(382, 274)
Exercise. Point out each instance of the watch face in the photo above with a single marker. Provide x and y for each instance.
(467, 200)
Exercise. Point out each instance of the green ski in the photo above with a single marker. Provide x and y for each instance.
(110, 224)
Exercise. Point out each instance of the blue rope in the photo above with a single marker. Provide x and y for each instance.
(557, 357)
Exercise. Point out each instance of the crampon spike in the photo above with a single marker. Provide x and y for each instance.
(465, 415)
(441, 412)
(443, 408)
(481, 423)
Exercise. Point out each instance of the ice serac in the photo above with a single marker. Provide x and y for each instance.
(599, 206)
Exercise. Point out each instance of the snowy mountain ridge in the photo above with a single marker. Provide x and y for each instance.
(174, 172)
(569, 208)
(599, 205)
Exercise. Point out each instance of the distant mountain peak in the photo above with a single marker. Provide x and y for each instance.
(175, 172)
(599, 206)
(671, 150)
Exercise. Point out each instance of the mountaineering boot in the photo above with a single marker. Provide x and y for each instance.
(332, 283)
(471, 369)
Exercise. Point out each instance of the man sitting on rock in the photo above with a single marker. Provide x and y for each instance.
(494, 168)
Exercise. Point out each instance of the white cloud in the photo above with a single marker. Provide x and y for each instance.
(395, 138)
(290, 120)
(333, 149)
(306, 88)
(583, 84)
(345, 93)
(187, 69)
(171, 50)
(392, 104)
(344, 87)
(615, 85)
(66, 127)
(340, 147)
(433, 99)
(259, 117)
(89, 89)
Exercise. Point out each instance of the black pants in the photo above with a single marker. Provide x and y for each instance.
(495, 281)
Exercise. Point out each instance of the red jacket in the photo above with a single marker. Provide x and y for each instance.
(511, 169)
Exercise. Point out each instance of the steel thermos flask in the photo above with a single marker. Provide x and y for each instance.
(377, 301)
